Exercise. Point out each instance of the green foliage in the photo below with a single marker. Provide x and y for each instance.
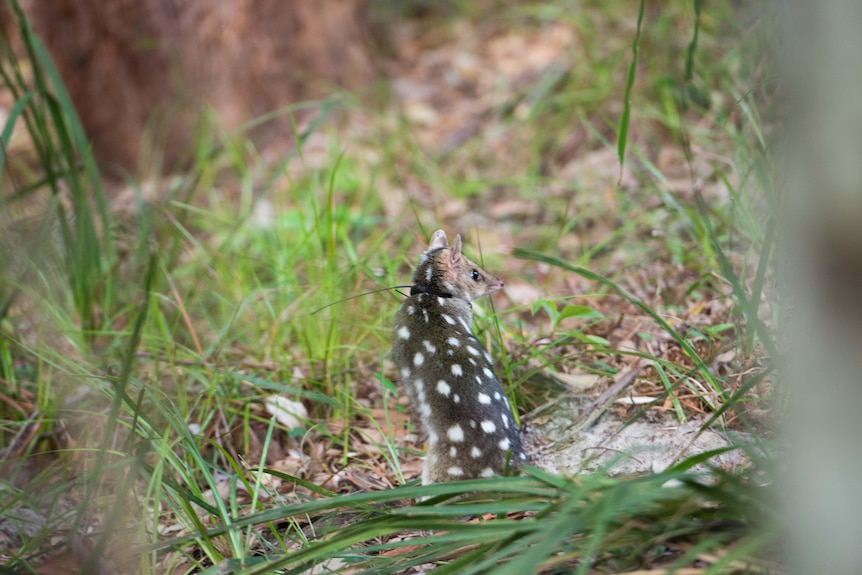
(566, 525)
(77, 206)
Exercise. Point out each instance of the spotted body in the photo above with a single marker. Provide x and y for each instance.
(448, 375)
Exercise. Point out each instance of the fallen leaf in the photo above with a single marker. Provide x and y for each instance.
(288, 412)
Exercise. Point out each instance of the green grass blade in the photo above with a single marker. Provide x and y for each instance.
(749, 305)
(6, 137)
(692, 45)
(623, 128)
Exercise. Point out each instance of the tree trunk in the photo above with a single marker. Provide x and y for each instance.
(823, 245)
(141, 70)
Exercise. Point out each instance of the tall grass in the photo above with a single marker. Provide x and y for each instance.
(77, 206)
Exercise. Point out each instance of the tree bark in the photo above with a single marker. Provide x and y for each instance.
(144, 69)
(823, 245)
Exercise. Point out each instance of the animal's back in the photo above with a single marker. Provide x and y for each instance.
(448, 376)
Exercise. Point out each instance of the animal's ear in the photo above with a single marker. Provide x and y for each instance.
(438, 240)
(455, 252)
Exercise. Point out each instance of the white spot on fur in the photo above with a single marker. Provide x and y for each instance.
(425, 315)
(443, 388)
(403, 332)
(429, 346)
(488, 426)
(411, 310)
(473, 361)
(497, 395)
(455, 471)
(505, 419)
(405, 372)
(433, 438)
(450, 352)
(504, 444)
(478, 380)
(425, 410)
(473, 423)
(454, 341)
(455, 433)
(441, 301)
(456, 370)
(484, 398)
(448, 318)
(475, 452)
(456, 398)
(487, 472)
(465, 324)
(453, 451)
(488, 357)
(488, 373)
(506, 401)
(472, 350)
(429, 273)
(418, 359)
(524, 456)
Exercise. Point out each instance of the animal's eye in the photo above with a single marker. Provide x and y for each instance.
(475, 276)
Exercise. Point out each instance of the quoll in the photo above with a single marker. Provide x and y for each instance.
(448, 375)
